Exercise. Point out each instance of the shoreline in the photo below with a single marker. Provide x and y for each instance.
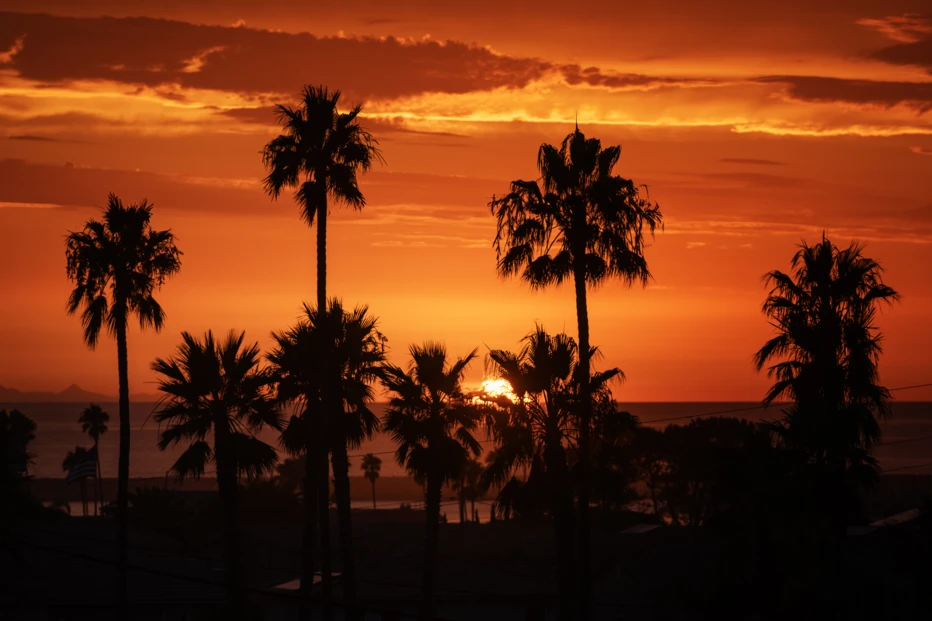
(46, 489)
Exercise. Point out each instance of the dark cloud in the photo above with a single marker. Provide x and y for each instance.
(917, 53)
(915, 95)
(593, 76)
(158, 52)
(32, 138)
(268, 115)
(752, 161)
(398, 195)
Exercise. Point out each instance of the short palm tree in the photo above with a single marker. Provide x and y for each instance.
(824, 356)
(581, 222)
(215, 391)
(318, 155)
(71, 459)
(354, 350)
(432, 421)
(117, 265)
(94, 423)
(534, 431)
(17, 431)
(371, 467)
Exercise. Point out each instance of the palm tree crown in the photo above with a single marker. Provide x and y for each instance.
(543, 378)
(216, 386)
(94, 421)
(319, 153)
(428, 416)
(117, 264)
(825, 353)
(578, 216)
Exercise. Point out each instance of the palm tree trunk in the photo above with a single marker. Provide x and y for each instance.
(431, 543)
(84, 495)
(226, 485)
(98, 491)
(561, 499)
(308, 540)
(323, 508)
(123, 468)
(582, 320)
(373, 494)
(347, 560)
(323, 489)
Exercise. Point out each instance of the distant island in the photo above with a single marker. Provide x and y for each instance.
(71, 394)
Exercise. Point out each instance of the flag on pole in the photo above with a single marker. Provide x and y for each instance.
(87, 467)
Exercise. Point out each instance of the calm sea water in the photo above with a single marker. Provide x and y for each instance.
(58, 432)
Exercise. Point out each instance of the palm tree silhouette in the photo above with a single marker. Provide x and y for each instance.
(371, 465)
(533, 431)
(579, 221)
(117, 264)
(354, 350)
(466, 486)
(71, 459)
(824, 359)
(17, 431)
(318, 155)
(430, 419)
(94, 423)
(216, 387)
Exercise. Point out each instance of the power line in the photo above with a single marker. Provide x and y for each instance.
(906, 467)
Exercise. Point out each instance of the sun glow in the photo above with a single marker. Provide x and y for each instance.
(493, 388)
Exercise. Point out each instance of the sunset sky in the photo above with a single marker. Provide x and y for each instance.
(754, 128)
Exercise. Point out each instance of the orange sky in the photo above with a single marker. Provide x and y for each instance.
(753, 127)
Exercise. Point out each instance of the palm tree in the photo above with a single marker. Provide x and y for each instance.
(73, 458)
(217, 388)
(430, 419)
(354, 350)
(371, 465)
(578, 221)
(318, 155)
(117, 264)
(534, 429)
(824, 359)
(17, 431)
(94, 423)
(466, 486)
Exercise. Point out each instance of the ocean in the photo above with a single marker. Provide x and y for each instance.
(58, 432)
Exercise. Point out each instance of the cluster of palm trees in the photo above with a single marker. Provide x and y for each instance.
(577, 222)
(93, 421)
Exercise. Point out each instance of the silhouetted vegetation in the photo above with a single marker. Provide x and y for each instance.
(432, 422)
(117, 264)
(319, 154)
(216, 387)
(583, 223)
(755, 516)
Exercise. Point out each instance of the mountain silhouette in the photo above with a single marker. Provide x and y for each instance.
(71, 394)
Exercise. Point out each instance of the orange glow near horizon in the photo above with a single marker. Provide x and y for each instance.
(754, 128)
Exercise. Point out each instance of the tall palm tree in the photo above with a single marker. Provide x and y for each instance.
(354, 349)
(94, 423)
(432, 422)
(71, 459)
(583, 222)
(216, 388)
(534, 429)
(824, 358)
(319, 154)
(117, 264)
(371, 467)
